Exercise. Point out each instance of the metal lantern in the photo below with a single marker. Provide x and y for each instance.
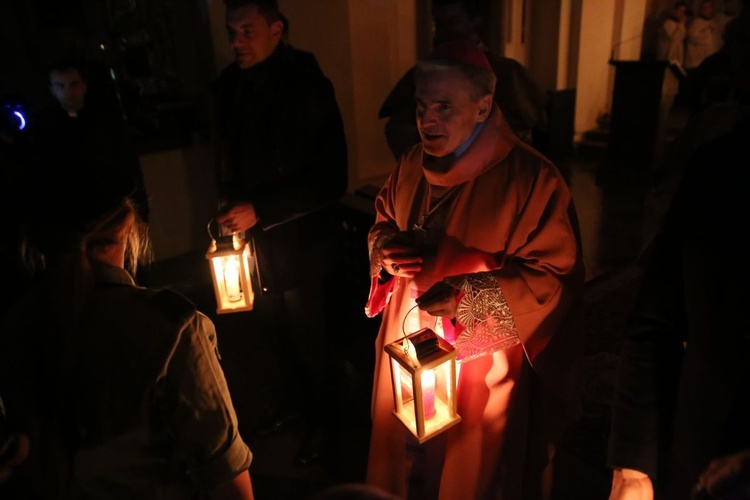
(231, 260)
(423, 375)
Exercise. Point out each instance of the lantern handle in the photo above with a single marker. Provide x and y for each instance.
(403, 325)
(208, 229)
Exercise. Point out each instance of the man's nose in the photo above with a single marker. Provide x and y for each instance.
(426, 117)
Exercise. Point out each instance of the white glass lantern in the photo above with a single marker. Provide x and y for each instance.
(423, 375)
(231, 260)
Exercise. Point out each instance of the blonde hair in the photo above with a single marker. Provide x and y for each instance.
(115, 228)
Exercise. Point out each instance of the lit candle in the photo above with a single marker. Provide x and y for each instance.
(232, 280)
(428, 393)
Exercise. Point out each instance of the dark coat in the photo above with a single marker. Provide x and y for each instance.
(282, 147)
(678, 407)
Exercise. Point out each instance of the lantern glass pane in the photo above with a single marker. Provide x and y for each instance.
(407, 391)
(424, 384)
(231, 276)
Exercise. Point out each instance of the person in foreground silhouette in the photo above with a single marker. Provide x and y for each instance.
(119, 388)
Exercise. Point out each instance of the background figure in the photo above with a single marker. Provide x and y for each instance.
(724, 75)
(702, 38)
(470, 210)
(671, 35)
(74, 123)
(118, 387)
(283, 160)
(521, 100)
(682, 395)
(723, 16)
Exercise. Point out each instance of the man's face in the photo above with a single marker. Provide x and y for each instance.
(446, 112)
(250, 35)
(68, 88)
(452, 22)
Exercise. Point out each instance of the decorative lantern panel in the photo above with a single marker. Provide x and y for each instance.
(231, 262)
(423, 375)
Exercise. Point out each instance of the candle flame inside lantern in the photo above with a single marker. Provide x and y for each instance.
(232, 279)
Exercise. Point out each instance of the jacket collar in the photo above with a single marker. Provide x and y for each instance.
(104, 273)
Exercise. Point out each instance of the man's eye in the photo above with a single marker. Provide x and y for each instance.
(445, 107)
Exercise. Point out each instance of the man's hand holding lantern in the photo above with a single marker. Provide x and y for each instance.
(238, 217)
(440, 300)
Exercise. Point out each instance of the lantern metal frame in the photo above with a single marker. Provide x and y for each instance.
(231, 254)
(412, 359)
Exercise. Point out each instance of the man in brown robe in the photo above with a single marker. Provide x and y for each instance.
(470, 208)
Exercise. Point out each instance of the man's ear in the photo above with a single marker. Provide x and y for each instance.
(484, 108)
(277, 28)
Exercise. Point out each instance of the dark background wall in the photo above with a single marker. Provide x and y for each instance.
(152, 58)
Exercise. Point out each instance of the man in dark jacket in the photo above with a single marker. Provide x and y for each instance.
(76, 123)
(283, 169)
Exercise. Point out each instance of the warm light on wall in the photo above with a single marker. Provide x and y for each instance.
(231, 263)
(423, 375)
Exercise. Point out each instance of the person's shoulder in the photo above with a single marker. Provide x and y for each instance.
(49, 115)
(401, 95)
(496, 59)
(297, 66)
(172, 305)
(304, 58)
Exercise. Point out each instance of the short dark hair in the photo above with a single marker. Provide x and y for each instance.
(269, 9)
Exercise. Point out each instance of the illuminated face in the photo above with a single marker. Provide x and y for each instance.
(446, 111)
(252, 38)
(68, 88)
(452, 22)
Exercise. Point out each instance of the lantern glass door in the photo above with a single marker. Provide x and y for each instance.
(231, 268)
(424, 388)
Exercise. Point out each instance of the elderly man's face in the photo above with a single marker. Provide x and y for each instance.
(446, 111)
(252, 38)
(68, 88)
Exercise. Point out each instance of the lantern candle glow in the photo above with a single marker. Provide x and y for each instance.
(423, 374)
(231, 258)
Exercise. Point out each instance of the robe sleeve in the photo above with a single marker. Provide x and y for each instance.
(485, 323)
(382, 284)
(537, 279)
